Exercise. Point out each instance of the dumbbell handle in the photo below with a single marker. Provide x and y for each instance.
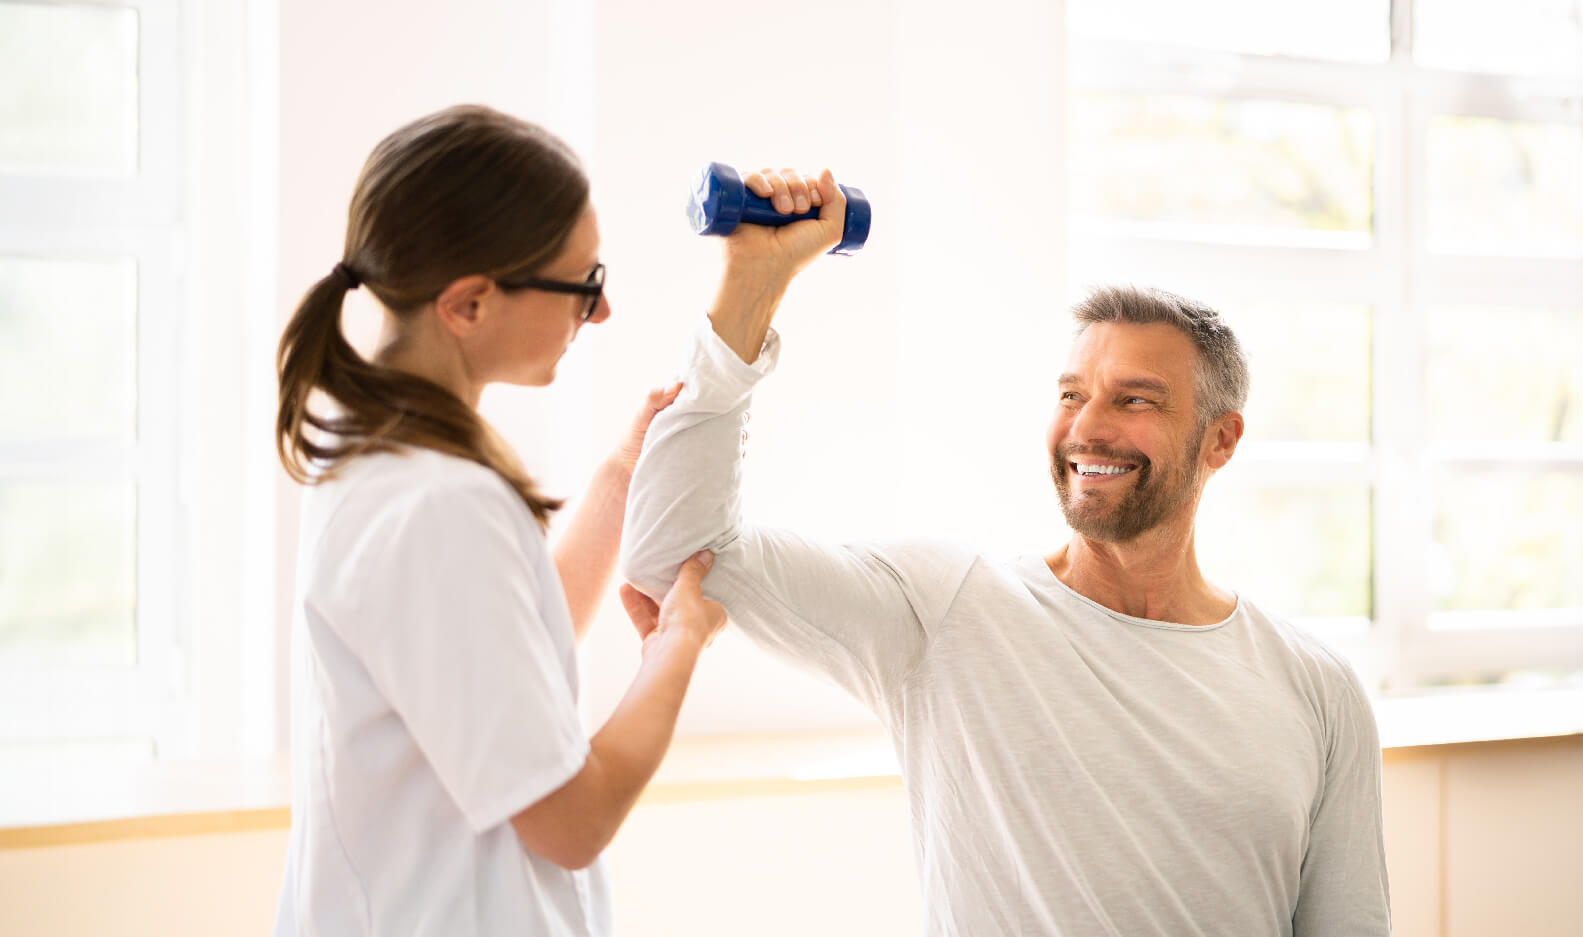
(721, 200)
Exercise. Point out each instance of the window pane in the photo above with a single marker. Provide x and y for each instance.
(1506, 538)
(1347, 30)
(1518, 37)
(1310, 365)
(67, 573)
(67, 348)
(1506, 374)
(1202, 161)
(1311, 555)
(70, 74)
(1505, 187)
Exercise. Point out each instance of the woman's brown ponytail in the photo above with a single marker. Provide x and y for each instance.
(468, 190)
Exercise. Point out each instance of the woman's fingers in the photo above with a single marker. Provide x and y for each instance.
(643, 611)
(685, 605)
(658, 399)
(693, 571)
(662, 397)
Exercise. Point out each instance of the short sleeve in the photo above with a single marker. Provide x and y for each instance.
(442, 608)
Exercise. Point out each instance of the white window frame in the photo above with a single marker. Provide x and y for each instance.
(138, 217)
(1395, 274)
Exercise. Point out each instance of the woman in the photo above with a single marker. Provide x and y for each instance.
(442, 783)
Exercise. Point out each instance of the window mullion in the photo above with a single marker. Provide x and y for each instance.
(1402, 510)
(161, 554)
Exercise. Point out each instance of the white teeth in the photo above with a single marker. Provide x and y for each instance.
(1101, 469)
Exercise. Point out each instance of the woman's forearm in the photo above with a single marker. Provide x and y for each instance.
(573, 825)
(587, 550)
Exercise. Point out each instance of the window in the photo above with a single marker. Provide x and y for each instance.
(90, 277)
(1386, 201)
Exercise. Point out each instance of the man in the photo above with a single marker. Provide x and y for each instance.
(1094, 742)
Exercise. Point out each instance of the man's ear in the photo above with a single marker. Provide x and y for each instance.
(460, 305)
(1221, 439)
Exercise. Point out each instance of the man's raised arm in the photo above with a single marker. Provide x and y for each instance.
(859, 613)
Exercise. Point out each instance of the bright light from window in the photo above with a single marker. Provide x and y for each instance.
(1515, 37)
(1341, 30)
(70, 74)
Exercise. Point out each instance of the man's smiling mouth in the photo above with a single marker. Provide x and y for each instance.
(1090, 469)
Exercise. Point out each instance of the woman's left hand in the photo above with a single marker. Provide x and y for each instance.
(631, 447)
(684, 613)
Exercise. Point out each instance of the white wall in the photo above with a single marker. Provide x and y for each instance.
(953, 127)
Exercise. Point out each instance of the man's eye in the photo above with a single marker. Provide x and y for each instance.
(1132, 400)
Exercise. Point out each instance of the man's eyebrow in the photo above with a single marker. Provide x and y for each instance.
(1144, 383)
(1131, 383)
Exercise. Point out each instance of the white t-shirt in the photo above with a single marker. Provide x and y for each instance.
(434, 697)
(1070, 770)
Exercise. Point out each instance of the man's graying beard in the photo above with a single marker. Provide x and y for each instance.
(1152, 498)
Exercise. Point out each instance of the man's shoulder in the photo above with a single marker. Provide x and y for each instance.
(1302, 648)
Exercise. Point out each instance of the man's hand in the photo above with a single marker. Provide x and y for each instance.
(626, 454)
(685, 614)
(761, 261)
(787, 249)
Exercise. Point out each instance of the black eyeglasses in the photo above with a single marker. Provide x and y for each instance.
(590, 288)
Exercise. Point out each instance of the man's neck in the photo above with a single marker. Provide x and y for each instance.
(1155, 576)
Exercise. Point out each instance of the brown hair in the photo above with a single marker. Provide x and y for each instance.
(1221, 375)
(467, 190)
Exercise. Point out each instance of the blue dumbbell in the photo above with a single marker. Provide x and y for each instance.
(720, 201)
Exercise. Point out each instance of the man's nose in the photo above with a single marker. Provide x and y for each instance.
(1092, 422)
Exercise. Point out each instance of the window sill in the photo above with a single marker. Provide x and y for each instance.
(169, 798)
(196, 798)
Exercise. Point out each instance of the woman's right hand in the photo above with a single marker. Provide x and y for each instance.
(684, 613)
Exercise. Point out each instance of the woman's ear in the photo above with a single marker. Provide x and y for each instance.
(460, 305)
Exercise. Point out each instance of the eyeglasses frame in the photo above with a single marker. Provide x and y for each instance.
(592, 288)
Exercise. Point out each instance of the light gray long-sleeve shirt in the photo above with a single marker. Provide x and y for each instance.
(1070, 770)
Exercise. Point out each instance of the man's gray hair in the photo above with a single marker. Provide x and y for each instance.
(1222, 369)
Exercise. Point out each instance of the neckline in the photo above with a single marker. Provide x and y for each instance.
(1047, 577)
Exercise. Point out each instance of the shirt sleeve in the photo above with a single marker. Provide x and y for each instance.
(443, 612)
(859, 613)
(1343, 890)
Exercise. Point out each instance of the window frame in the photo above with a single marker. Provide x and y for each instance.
(1400, 278)
(139, 217)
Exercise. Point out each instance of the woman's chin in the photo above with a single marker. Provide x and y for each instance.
(542, 376)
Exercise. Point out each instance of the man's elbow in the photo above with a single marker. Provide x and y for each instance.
(653, 567)
(648, 573)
